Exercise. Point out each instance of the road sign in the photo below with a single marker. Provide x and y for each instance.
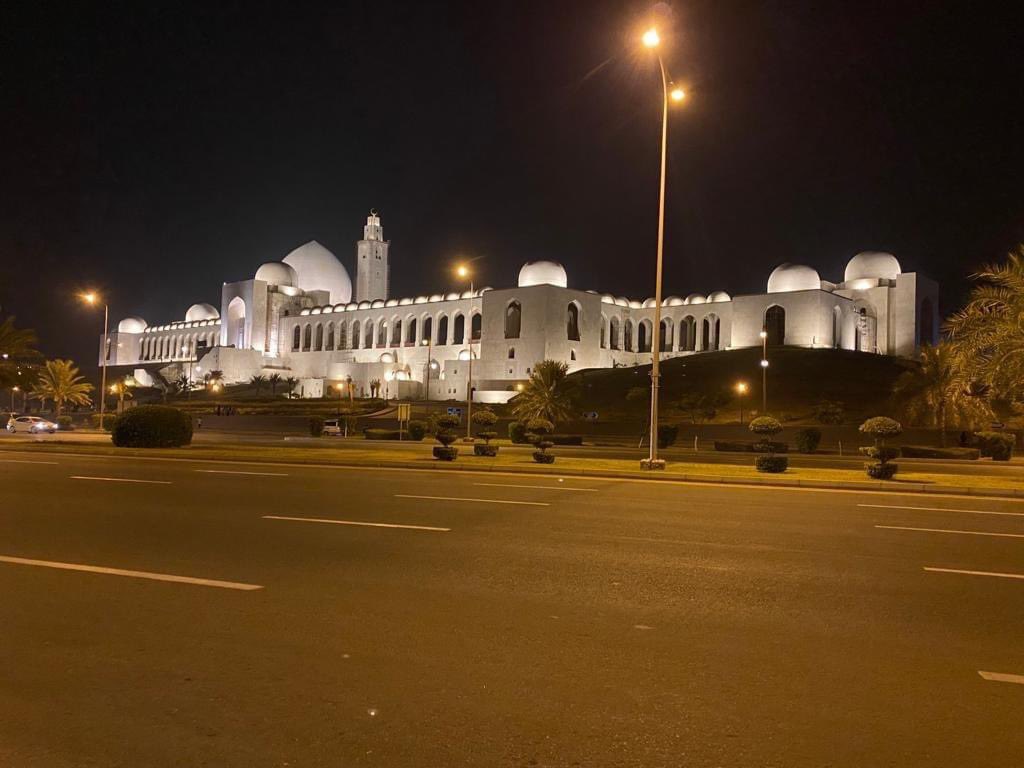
(404, 411)
(454, 410)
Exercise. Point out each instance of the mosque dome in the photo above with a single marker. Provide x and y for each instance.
(542, 273)
(277, 273)
(694, 298)
(793, 277)
(201, 312)
(717, 296)
(131, 325)
(319, 270)
(873, 265)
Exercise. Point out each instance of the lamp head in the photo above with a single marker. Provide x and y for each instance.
(763, 334)
(651, 38)
(764, 363)
(90, 297)
(677, 94)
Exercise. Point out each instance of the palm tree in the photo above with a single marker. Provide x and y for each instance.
(291, 383)
(216, 376)
(182, 383)
(258, 382)
(988, 333)
(547, 395)
(59, 380)
(274, 380)
(17, 347)
(938, 393)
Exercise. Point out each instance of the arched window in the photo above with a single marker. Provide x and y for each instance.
(513, 319)
(627, 335)
(927, 324)
(368, 335)
(716, 329)
(688, 334)
(604, 332)
(355, 334)
(442, 330)
(459, 330)
(410, 332)
(319, 337)
(428, 328)
(307, 338)
(665, 342)
(236, 323)
(213, 339)
(643, 336)
(342, 336)
(836, 332)
(862, 330)
(572, 321)
(775, 325)
(705, 334)
(476, 326)
(382, 333)
(613, 332)
(330, 336)
(396, 332)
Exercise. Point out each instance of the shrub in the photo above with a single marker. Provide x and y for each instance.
(828, 412)
(381, 434)
(667, 434)
(538, 430)
(566, 439)
(109, 420)
(316, 426)
(485, 418)
(445, 452)
(808, 440)
(768, 427)
(748, 446)
(446, 436)
(152, 426)
(881, 428)
(485, 449)
(543, 457)
(770, 463)
(417, 429)
(997, 445)
(881, 453)
(64, 423)
(517, 432)
(928, 452)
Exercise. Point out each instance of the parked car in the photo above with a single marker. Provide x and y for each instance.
(333, 427)
(32, 424)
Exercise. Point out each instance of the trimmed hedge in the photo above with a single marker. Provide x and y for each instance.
(316, 426)
(417, 429)
(109, 420)
(808, 440)
(152, 426)
(751, 446)
(773, 464)
(879, 471)
(517, 432)
(667, 434)
(928, 452)
(566, 439)
(997, 445)
(381, 434)
(64, 423)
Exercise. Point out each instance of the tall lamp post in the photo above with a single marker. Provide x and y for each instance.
(741, 391)
(92, 300)
(764, 372)
(651, 39)
(463, 272)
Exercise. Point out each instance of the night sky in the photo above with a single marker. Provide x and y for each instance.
(154, 150)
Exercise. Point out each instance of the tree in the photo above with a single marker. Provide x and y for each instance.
(258, 382)
(216, 376)
(274, 380)
(17, 350)
(548, 395)
(988, 333)
(291, 383)
(881, 428)
(828, 412)
(60, 381)
(937, 392)
(182, 383)
(701, 407)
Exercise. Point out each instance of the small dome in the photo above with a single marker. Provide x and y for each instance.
(695, 298)
(377, 303)
(673, 301)
(422, 299)
(607, 298)
(648, 303)
(391, 303)
(468, 294)
(201, 312)
(278, 273)
(436, 297)
(874, 265)
(719, 296)
(622, 301)
(319, 270)
(404, 302)
(452, 296)
(131, 325)
(543, 273)
(793, 277)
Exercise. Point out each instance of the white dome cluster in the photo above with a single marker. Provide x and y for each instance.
(201, 311)
(132, 325)
(872, 265)
(793, 277)
(543, 273)
(278, 273)
(318, 269)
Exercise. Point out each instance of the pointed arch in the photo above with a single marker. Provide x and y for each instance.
(513, 319)
(572, 321)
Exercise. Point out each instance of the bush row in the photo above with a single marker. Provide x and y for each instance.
(152, 426)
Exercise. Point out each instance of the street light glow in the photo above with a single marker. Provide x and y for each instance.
(763, 334)
(651, 38)
(741, 387)
(678, 94)
(764, 363)
(462, 270)
(89, 298)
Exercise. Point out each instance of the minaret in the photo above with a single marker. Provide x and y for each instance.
(372, 270)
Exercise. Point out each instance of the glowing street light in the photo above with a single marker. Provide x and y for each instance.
(463, 272)
(678, 94)
(651, 38)
(741, 391)
(764, 371)
(92, 299)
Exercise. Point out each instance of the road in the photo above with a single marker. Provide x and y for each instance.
(411, 618)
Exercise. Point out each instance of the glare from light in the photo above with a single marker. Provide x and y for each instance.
(462, 270)
(89, 298)
(764, 363)
(678, 94)
(763, 334)
(651, 38)
(741, 387)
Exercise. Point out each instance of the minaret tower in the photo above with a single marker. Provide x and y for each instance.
(372, 271)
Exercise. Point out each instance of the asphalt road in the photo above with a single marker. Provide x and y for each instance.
(589, 623)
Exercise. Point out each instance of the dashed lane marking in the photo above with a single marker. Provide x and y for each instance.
(120, 480)
(947, 530)
(357, 522)
(131, 574)
(943, 509)
(931, 569)
(478, 501)
(1002, 677)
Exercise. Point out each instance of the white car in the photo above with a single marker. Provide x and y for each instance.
(32, 424)
(333, 427)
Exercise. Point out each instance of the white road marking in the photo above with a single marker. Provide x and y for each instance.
(1002, 677)
(943, 509)
(357, 522)
(976, 573)
(233, 472)
(540, 487)
(132, 574)
(947, 530)
(120, 480)
(480, 501)
(25, 461)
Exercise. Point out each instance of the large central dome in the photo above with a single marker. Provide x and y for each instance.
(319, 270)
(543, 273)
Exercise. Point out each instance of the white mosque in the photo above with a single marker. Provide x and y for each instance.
(298, 318)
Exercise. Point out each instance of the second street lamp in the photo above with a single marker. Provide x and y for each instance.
(463, 272)
(92, 299)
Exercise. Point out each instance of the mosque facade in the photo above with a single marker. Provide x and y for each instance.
(302, 319)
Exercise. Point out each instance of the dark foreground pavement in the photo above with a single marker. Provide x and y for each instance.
(591, 623)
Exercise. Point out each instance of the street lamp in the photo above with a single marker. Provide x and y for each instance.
(92, 299)
(764, 372)
(13, 390)
(463, 272)
(741, 390)
(651, 39)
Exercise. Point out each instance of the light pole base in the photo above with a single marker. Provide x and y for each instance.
(652, 464)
